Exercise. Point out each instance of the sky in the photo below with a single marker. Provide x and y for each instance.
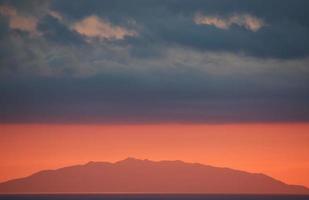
(278, 150)
(194, 68)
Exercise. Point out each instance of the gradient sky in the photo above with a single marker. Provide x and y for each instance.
(218, 82)
(279, 150)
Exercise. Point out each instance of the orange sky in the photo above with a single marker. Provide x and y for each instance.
(279, 150)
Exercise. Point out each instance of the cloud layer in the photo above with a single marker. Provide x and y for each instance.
(154, 61)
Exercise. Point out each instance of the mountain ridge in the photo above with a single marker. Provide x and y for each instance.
(133, 175)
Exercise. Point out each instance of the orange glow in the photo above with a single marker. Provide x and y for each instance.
(279, 150)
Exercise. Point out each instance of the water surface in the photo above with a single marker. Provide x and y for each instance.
(151, 197)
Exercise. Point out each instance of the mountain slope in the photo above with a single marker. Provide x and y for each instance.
(132, 175)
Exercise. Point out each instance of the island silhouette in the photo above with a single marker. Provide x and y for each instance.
(145, 176)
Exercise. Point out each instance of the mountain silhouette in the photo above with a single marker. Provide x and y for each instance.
(145, 176)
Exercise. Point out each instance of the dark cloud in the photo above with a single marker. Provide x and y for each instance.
(284, 36)
(168, 22)
(29, 7)
(136, 98)
(55, 31)
(163, 67)
(4, 30)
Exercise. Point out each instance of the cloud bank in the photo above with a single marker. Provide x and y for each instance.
(154, 61)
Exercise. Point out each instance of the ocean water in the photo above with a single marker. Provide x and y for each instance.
(152, 197)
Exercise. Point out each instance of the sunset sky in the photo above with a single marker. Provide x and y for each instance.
(223, 83)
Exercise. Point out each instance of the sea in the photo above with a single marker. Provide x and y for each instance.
(151, 197)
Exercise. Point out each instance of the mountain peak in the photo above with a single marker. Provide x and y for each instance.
(91, 163)
(131, 160)
(95, 163)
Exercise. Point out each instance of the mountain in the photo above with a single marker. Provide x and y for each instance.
(145, 176)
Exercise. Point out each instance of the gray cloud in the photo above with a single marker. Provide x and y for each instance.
(55, 31)
(134, 98)
(172, 22)
(156, 64)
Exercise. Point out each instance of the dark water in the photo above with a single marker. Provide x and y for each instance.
(152, 197)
